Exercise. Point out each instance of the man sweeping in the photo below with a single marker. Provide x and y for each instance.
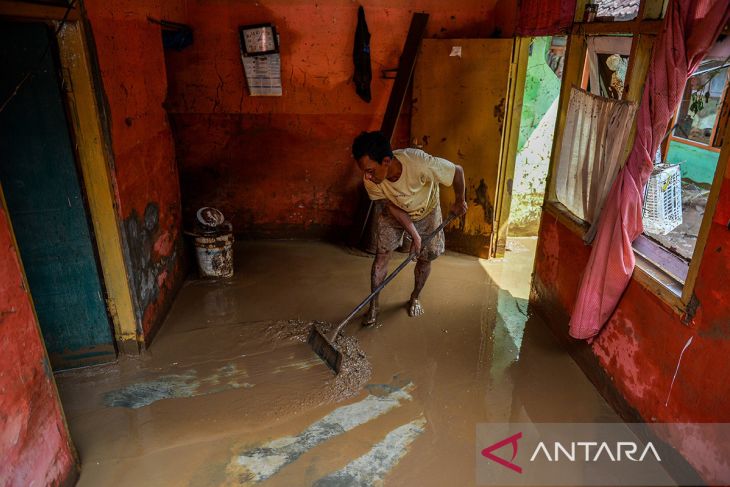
(408, 179)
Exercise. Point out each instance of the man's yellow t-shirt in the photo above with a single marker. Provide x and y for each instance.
(417, 189)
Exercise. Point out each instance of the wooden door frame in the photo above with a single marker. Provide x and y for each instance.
(93, 151)
(508, 144)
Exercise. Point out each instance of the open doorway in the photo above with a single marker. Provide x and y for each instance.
(543, 79)
(45, 199)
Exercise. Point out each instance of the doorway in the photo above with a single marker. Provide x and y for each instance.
(45, 200)
(537, 126)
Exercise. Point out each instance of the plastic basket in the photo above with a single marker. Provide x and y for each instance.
(662, 210)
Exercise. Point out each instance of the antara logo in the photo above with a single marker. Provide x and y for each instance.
(487, 452)
(592, 452)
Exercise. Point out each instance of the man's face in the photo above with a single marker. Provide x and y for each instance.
(373, 171)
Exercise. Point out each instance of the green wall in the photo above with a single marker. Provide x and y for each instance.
(696, 164)
(542, 87)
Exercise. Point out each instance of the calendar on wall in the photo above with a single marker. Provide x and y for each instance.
(261, 59)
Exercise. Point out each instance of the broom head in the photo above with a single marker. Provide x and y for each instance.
(326, 350)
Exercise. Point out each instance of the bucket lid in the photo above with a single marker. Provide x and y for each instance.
(210, 217)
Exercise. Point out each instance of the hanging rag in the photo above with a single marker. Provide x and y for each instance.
(361, 57)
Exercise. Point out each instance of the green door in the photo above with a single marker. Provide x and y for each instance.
(43, 195)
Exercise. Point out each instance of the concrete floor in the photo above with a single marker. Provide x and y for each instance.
(216, 401)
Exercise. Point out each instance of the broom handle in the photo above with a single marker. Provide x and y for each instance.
(389, 278)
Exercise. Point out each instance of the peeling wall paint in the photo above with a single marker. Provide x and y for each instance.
(642, 353)
(146, 182)
(281, 166)
(152, 257)
(35, 447)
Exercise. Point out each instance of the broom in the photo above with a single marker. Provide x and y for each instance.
(324, 345)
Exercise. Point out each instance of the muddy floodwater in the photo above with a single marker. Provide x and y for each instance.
(229, 393)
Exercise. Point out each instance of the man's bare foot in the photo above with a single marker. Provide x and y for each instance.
(415, 308)
(371, 317)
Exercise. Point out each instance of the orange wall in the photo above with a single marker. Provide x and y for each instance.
(132, 67)
(637, 352)
(34, 443)
(281, 166)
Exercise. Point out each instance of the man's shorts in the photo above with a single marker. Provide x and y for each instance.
(390, 233)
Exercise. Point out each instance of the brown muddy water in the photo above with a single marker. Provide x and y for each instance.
(230, 394)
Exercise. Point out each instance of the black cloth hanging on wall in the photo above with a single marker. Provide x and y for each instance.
(361, 57)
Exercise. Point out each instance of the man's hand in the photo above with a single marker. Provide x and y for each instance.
(416, 245)
(459, 208)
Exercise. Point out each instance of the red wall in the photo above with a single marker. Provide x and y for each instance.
(131, 62)
(638, 350)
(34, 443)
(282, 166)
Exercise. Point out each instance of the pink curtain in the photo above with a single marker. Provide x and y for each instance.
(691, 27)
(545, 17)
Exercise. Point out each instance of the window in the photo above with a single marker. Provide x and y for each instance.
(606, 65)
(685, 174)
(697, 115)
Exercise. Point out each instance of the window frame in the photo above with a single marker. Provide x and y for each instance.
(585, 77)
(644, 29)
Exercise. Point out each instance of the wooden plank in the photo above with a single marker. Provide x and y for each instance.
(515, 92)
(662, 257)
(693, 143)
(406, 65)
(33, 11)
(664, 287)
(580, 8)
(628, 27)
(639, 62)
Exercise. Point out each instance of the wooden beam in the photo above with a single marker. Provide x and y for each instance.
(639, 62)
(662, 257)
(628, 27)
(406, 64)
(699, 145)
(16, 10)
(508, 151)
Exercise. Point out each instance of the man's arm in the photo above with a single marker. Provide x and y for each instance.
(405, 221)
(459, 207)
(449, 174)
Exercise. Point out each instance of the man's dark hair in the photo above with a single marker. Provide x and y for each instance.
(371, 144)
